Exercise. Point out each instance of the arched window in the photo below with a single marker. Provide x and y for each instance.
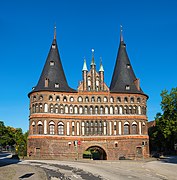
(71, 109)
(126, 128)
(115, 128)
(71, 99)
(91, 109)
(134, 128)
(105, 128)
(144, 128)
(80, 99)
(40, 108)
(118, 99)
(36, 108)
(80, 110)
(57, 98)
(100, 128)
(45, 107)
(111, 110)
(93, 99)
(40, 127)
(105, 99)
(40, 97)
(60, 128)
(139, 109)
(51, 108)
(75, 110)
(33, 127)
(130, 109)
(98, 99)
(96, 128)
(86, 99)
(116, 110)
(131, 100)
(51, 127)
(56, 108)
(66, 109)
(135, 109)
(64, 99)
(96, 110)
(87, 128)
(50, 98)
(33, 108)
(77, 128)
(91, 128)
(83, 128)
(120, 109)
(138, 100)
(126, 110)
(34, 98)
(85, 110)
(111, 99)
(126, 100)
(61, 109)
(101, 110)
(106, 110)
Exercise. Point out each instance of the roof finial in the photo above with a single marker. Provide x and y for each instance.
(101, 65)
(84, 66)
(93, 61)
(121, 34)
(55, 33)
(93, 53)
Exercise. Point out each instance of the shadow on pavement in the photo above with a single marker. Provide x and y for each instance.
(26, 175)
(7, 159)
(169, 159)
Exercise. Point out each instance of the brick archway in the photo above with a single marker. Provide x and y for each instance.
(96, 153)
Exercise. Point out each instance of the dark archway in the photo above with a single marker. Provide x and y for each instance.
(95, 153)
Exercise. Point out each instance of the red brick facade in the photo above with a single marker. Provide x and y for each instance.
(63, 125)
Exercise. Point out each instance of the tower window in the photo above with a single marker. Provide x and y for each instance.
(127, 87)
(52, 63)
(57, 98)
(128, 66)
(46, 82)
(53, 46)
(71, 99)
(118, 99)
(80, 99)
(57, 85)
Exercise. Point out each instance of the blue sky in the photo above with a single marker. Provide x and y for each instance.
(26, 33)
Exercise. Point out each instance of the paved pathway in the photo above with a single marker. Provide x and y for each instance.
(88, 170)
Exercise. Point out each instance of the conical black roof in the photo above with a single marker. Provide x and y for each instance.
(124, 79)
(53, 76)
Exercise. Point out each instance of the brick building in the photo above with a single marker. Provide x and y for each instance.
(104, 122)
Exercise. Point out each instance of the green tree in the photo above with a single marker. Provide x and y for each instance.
(166, 123)
(13, 137)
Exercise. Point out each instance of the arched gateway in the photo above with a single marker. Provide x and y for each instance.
(95, 153)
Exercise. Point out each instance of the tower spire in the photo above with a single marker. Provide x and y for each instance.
(123, 78)
(55, 32)
(121, 34)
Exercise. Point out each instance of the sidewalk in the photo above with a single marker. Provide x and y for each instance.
(11, 169)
